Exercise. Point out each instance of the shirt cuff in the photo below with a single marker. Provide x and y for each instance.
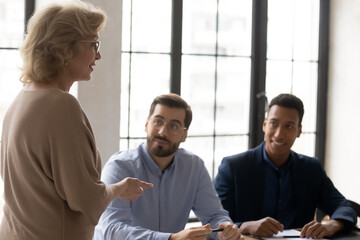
(162, 236)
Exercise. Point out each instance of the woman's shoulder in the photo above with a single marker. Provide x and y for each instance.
(59, 95)
(59, 106)
(59, 100)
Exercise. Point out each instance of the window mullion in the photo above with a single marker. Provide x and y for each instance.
(258, 72)
(29, 10)
(323, 67)
(176, 45)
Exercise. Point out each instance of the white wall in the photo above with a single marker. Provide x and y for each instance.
(100, 97)
(343, 130)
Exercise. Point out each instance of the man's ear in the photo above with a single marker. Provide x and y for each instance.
(299, 131)
(264, 125)
(184, 136)
(146, 124)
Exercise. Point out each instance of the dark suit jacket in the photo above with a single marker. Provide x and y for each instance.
(240, 185)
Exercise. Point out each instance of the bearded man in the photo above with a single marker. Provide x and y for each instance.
(181, 184)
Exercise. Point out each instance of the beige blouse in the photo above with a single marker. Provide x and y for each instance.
(51, 169)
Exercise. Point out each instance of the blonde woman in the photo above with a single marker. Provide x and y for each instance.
(49, 161)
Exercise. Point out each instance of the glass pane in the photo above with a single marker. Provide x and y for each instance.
(202, 147)
(74, 89)
(123, 145)
(124, 95)
(129, 144)
(198, 89)
(305, 144)
(306, 30)
(305, 87)
(280, 29)
(235, 22)
(297, 24)
(12, 23)
(126, 25)
(226, 146)
(149, 78)
(10, 84)
(278, 78)
(199, 26)
(298, 78)
(151, 29)
(233, 95)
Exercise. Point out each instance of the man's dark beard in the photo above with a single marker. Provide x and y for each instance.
(159, 150)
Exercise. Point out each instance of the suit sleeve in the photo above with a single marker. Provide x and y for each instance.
(332, 202)
(224, 185)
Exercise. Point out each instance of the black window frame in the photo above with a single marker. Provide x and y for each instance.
(258, 99)
(258, 67)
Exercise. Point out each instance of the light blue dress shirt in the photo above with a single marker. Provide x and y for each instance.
(164, 209)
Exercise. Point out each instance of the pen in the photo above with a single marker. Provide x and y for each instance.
(273, 237)
(290, 236)
(218, 230)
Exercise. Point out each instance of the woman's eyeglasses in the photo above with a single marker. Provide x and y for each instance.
(95, 44)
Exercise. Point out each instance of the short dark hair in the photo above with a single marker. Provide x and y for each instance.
(173, 100)
(289, 101)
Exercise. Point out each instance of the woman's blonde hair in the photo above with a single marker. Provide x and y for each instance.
(53, 36)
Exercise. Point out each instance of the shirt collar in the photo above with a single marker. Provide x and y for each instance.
(273, 166)
(151, 163)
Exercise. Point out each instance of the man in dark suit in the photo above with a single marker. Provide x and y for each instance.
(271, 188)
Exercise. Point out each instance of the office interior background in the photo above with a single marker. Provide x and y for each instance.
(226, 58)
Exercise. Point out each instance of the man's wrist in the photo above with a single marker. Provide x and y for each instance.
(336, 225)
(243, 228)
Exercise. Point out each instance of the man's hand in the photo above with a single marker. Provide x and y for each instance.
(197, 233)
(129, 188)
(230, 232)
(265, 227)
(318, 230)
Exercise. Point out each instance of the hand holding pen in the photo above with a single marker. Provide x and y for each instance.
(198, 233)
(228, 231)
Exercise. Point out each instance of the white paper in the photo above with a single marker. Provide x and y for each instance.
(294, 235)
(289, 232)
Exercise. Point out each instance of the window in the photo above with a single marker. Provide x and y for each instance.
(292, 59)
(223, 57)
(12, 22)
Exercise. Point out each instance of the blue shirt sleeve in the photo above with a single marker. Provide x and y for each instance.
(207, 205)
(115, 222)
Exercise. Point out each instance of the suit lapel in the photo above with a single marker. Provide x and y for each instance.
(258, 180)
